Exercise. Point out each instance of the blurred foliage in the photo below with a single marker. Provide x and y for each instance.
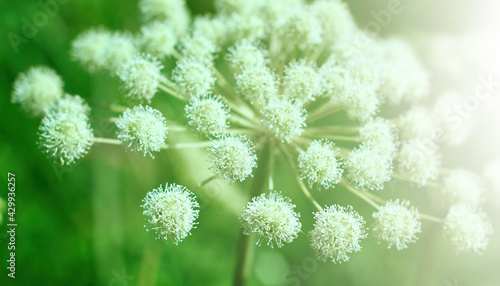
(83, 225)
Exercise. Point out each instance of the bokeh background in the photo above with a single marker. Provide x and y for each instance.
(83, 225)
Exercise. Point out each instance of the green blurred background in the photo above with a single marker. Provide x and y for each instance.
(82, 225)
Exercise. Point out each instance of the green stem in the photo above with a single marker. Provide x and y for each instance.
(359, 194)
(172, 92)
(200, 144)
(323, 111)
(107, 141)
(336, 137)
(203, 183)
(245, 242)
(301, 184)
(333, 128)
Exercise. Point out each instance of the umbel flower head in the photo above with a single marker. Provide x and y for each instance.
(380, 134)
(272, 218)
(208, 114)
(71, 104)
(233, 157)
(397, 224)
(100, 49)
(143, 129)
(158, 39)
(302, 81)
(193, 76)
(37, 89)
(463, 187)
(284, 118)
(171, 212)
(419, 160)
(337, 233)
(467, 228)
(319, 164)
(368, 168)
(141, 77)
(66, 137)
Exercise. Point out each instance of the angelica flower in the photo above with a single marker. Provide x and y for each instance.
(208, 114)
(335, 18)
(246, 26)
(99, 49)
(171, 212)
(173, 12)
(463, 187)
(141, 77)
(89, 48)
(143, 129)
(214, 29)
(419, 160)
(319, 164)
(302, 81)
(283, 118)
(380, 134)
(303, 29)
(66, 137)
(198, 46)
(368, 168)
(193, 76)
(467, 228)
(37, 89)
(257, 84)
(403, 76)
(246, 54)
(417, 123)
(397, 224)
(272, 218)
(158, 39)
(337, 233)
(233, 157)
(71, 104)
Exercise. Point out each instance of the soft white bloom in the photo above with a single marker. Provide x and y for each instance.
(419, 160)
(336, 19)
(238, 6)
(246, 26)
(303, 29)
(380, 134)
(171, 212)
(417, 123)
(208, 114)
(193, 76)
(337, 233)
(272, 218)
(257, 84)
(403, 76)
(302, 81)
(463, 187)
(467, 228)
(233, 157)
(119, 49)
(246, 54)
(283, 118)
(397, 224)
(89, 49)
(368, 168)
(215, 29)
(65, 137)
(37, 89)
(172, 11)
(71, 104)
(158, 39)
(141, 77)
(319, 164)
(198, 46)
(142, 129)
